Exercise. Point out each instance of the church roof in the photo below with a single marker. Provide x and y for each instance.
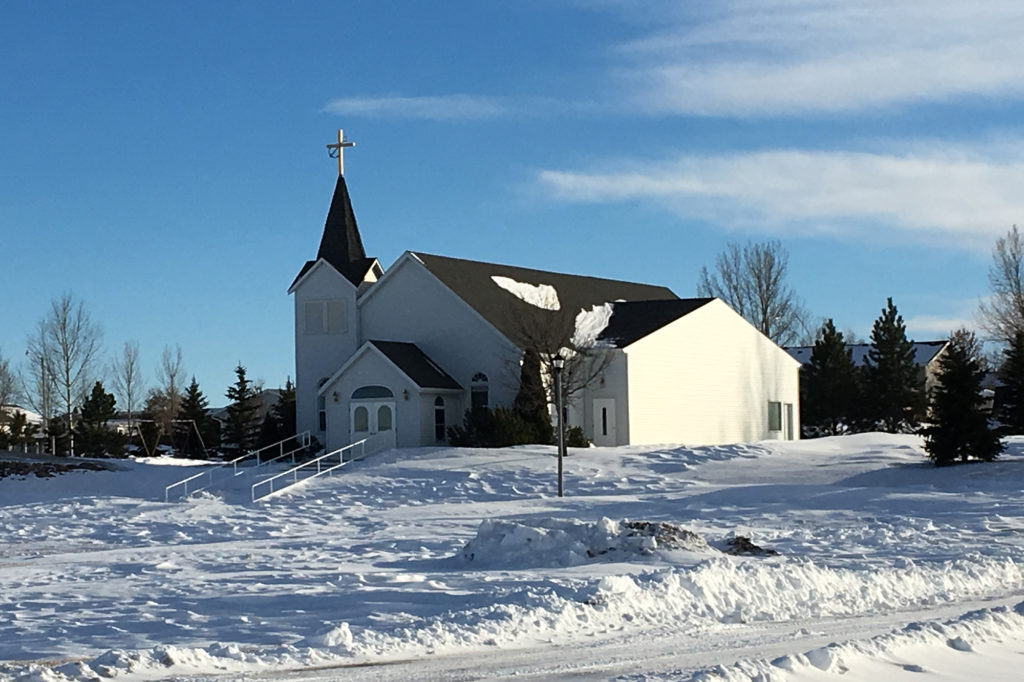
(341, 245)
(633, 320)
(477, 283)
(415, 364)
(924, 352)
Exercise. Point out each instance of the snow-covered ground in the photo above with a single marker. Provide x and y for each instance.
(462, 564)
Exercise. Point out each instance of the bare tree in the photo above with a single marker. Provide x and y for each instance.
(1003, 315)
(128, 381)
(752, 279)
(170, 376)
(8, 387)
(67, 348)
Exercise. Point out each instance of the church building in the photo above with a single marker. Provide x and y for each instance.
(402, 353)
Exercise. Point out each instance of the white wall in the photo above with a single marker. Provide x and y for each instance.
(615, 386)
(318, 356)
(707, 379)
(411, 305)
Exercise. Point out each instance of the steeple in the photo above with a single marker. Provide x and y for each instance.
(341, 243)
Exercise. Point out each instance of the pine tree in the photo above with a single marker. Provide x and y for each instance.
(94, 436)
(198, 432)
(829, 384)
(243, 412)
(1011, 394)
(531, 401)
(280, 422)
(894, 395)
(959, 425)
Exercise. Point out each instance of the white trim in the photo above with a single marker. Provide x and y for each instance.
(367, 346)
(309, 272)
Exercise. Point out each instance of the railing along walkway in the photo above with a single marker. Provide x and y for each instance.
(205, 480)
(321, 466)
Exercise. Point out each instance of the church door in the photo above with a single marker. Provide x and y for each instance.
(604, 421)
(370, 417)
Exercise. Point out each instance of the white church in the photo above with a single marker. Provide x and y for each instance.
(402, 353)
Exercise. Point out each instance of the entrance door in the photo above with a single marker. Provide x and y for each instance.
(604, 421)
(370, 417)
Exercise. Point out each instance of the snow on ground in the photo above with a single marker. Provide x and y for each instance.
(424, 559)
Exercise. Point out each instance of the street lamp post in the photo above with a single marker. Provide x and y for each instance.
(559, 365)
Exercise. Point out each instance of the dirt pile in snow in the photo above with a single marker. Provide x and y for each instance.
(554, 542)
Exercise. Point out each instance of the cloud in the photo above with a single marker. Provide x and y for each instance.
(755, 58)
(435, 108)
(938, 326)
(955, 197)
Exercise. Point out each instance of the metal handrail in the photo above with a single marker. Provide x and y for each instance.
(319, 463)
(303, 438)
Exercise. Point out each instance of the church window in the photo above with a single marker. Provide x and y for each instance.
(384, 418)
(372, 392)
(479, 394)
(326, 317)
(321, 406)
(774, 416)
(361, 419)
(439, 419)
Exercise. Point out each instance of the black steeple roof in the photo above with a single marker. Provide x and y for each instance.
(341, 244)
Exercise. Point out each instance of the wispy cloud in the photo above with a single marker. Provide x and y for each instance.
(955, 198)
(435, 108)
(453, 108)
(755, 58)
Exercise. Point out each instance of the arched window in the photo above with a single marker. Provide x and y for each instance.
(479, 397)
(372, 392)
(384, 418)
(439, 420)
(361, 419)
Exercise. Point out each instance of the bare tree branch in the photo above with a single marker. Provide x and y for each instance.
(128, 381)
(1003, 316)
(752, 279)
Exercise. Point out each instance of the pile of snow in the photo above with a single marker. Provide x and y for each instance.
(540, 295)
(555, 542)
(590, 324)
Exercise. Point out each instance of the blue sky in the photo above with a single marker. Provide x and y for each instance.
(165, 162)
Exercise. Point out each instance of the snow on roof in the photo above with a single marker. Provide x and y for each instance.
(590, 324)
(540, 295)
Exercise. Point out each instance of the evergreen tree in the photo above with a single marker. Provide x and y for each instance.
(280, 422)
(243, 412)
(94, 436)
(531, 403)
(1011, 394)
(198, 432)
(829, 384)
(894, 396)
(959, 426)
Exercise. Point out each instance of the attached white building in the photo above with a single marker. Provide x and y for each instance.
(406, 351)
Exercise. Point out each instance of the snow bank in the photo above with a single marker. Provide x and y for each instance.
(554, 542)
(590, 324)
(960, 634)
(540, 295)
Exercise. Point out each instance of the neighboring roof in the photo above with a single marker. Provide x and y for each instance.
(415, 364)
(633, 320)
(473, 282)
(924, 352)
(341, 244)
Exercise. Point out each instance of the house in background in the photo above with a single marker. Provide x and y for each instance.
(926, 357)
(404, 352)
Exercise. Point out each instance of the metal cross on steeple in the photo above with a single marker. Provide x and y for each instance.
(337, 151)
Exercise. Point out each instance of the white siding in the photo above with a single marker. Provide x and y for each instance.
(411, 305)
(319, 356)
(612, 384)
(707, 379)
